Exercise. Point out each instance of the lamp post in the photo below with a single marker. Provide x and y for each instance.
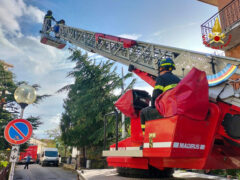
(24, 95)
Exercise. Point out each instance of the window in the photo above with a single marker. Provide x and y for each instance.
(51, 153)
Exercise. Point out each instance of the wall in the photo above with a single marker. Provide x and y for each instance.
(234, 52)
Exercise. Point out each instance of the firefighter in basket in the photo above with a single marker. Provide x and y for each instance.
(166, 80)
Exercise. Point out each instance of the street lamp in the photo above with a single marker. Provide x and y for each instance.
(24, 95)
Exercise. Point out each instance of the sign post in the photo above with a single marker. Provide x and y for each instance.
(17, 132)
(14, 154)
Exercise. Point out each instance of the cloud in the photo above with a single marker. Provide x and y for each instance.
(12, 10)
(130, 36)
(34, 62)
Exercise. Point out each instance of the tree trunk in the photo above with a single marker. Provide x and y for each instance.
(82, 157)
(65, 151)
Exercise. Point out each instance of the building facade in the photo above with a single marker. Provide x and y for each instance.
(41, 145)
(229, 17)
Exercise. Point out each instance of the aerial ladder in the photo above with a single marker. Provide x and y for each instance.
(210, 144)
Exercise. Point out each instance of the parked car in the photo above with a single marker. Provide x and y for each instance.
(49, 156)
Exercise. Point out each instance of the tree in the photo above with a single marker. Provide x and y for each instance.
(9, 109)
(55, 135)
(89, 99)
(7, 87)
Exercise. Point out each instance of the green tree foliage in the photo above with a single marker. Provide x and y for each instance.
(89, 99)
(7, 87)
(55, 135)
(9, 109)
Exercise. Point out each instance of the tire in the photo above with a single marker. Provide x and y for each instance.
(157, 173)
(152, 172)
(135, 173)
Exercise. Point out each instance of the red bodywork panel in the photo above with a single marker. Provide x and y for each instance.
(181, 141)
(184, 138)
(127, 43)
(128, 162)
(31, 150)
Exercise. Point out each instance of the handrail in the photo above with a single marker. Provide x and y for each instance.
(228, 15)
(115, 112)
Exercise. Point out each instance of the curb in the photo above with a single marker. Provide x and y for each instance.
(80, 175)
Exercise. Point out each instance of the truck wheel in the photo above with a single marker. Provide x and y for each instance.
(144, 173)
(157, 173)
(43, 164)
(134, 173)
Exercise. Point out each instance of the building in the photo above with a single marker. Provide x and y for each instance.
(75, 152)
(6, 66)
(229, 17)
(41, 145)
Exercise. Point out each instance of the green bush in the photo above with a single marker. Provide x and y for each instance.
(3, 164)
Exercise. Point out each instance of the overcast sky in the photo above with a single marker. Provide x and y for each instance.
(173, 22)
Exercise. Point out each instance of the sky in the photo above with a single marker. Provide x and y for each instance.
(166, 22)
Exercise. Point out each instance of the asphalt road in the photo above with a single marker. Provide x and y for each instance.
(37, 172)
(111, 174)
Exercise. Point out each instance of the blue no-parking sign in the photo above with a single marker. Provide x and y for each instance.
(18, 131)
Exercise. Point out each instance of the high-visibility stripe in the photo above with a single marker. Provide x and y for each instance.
(169, 87)
(166, 87)
(143, 126)
(159, 87)
(167, 64)
(48, 16)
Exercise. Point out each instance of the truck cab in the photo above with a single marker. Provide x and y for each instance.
(49, 156)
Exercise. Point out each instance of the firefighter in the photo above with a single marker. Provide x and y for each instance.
(48, 21)
(166, 80)
(56, 27)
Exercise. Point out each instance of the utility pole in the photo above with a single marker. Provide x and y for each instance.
(123, 116)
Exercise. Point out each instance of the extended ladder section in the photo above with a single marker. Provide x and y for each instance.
(144, 56)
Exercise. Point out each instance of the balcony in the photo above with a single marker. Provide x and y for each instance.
(229, 17)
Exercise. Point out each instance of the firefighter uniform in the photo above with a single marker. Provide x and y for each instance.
(48, 21)
(164, 82)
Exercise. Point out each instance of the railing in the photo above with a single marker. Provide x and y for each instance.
(227, 16)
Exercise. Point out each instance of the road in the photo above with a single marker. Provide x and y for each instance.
(37, 172)
(111, 174)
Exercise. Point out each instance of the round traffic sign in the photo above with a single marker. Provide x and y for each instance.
(18, 131)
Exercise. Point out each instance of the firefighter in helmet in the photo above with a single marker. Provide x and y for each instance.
(166, 80)
(48, 18)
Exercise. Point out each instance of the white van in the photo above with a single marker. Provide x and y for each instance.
(49, 156)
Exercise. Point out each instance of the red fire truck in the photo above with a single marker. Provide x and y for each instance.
(201, 124)
(31, 151)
